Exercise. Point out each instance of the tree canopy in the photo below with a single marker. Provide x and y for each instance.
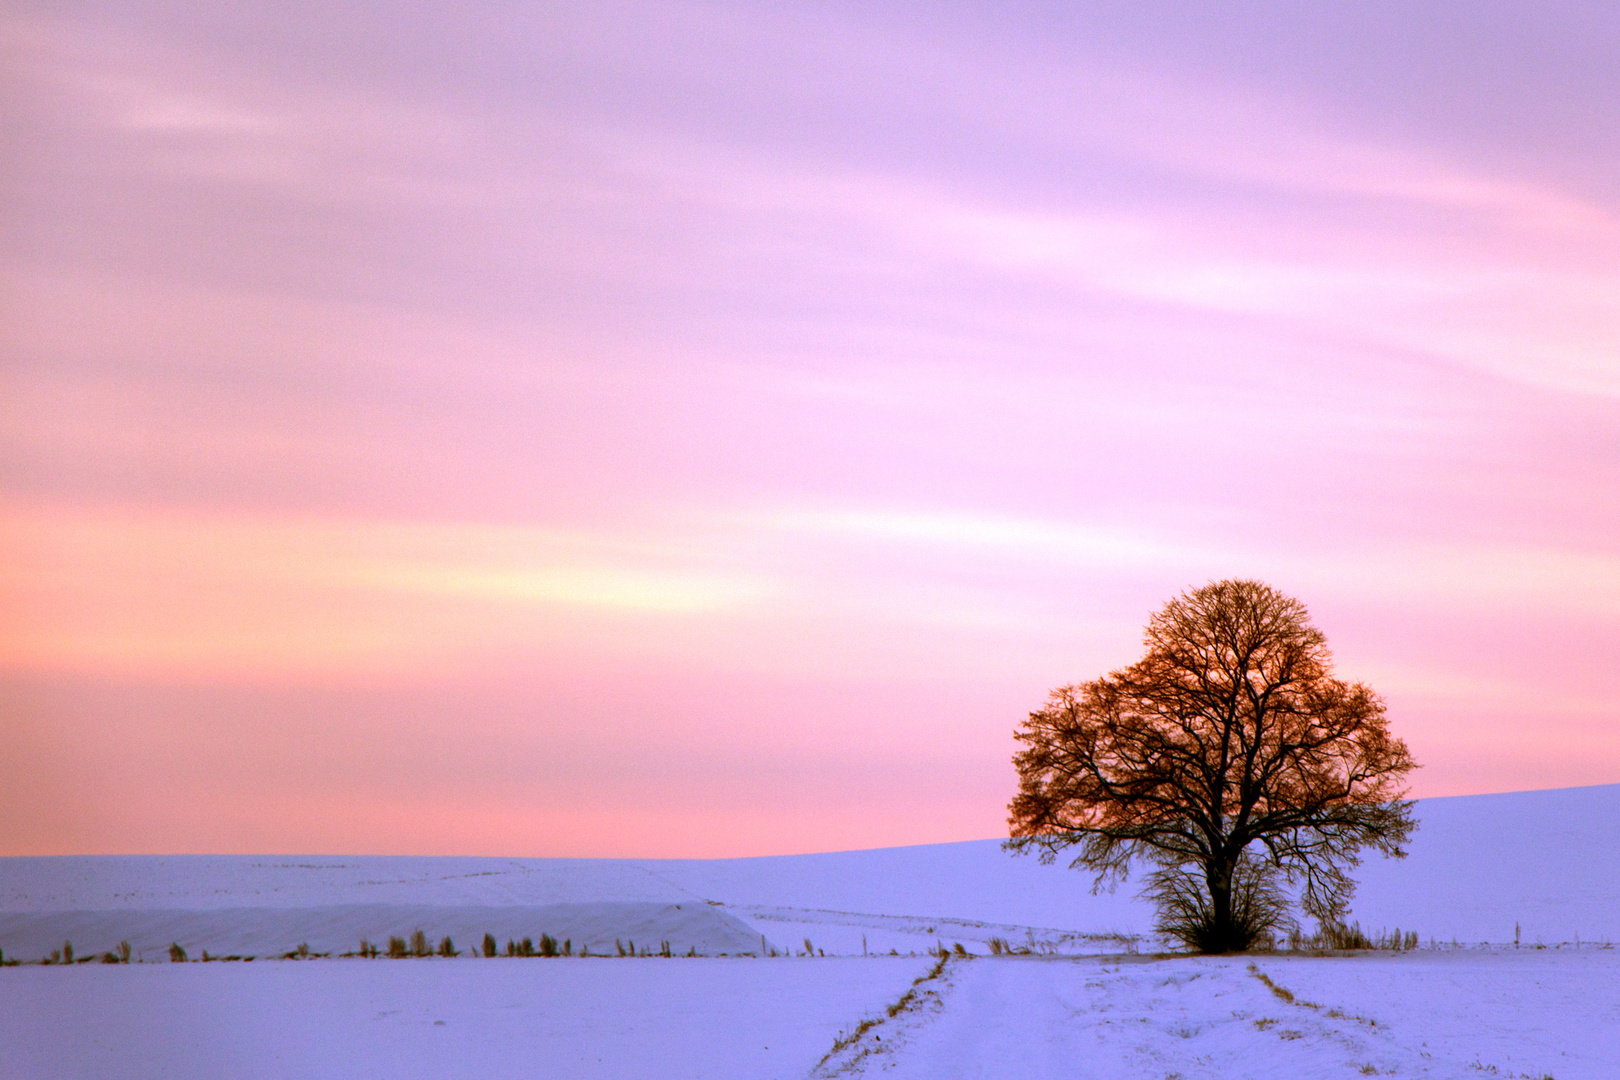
(1229, 758)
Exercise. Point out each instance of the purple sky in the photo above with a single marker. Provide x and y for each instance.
(707, 430)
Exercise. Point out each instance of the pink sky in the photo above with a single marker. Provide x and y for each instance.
(682, 430)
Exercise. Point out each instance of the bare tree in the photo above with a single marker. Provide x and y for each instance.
(1229, 757)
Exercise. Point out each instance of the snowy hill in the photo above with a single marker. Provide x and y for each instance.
(1544, 860)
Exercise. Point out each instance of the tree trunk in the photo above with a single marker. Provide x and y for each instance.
(1223, 932)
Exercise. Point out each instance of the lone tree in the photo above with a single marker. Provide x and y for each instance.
(1228, 758)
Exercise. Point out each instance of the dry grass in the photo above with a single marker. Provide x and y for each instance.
(911, 999)
(1337, 937)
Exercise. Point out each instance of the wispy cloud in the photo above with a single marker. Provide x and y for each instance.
(152, 590)
(806, 349)
(1460, 575)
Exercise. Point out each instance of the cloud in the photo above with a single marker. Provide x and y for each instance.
(149, 590)
(1458, 575)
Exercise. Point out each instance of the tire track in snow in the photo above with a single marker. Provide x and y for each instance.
(1180, 1018)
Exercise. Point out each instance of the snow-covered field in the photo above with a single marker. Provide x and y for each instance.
(1430, 1014)
(1543, 865)
(437, 1019)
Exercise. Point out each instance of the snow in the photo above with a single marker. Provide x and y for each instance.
(1481, 867)
(436, 1019)
(207, 882)
(1426, 1014)
(905, 899)
(1545, 860)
